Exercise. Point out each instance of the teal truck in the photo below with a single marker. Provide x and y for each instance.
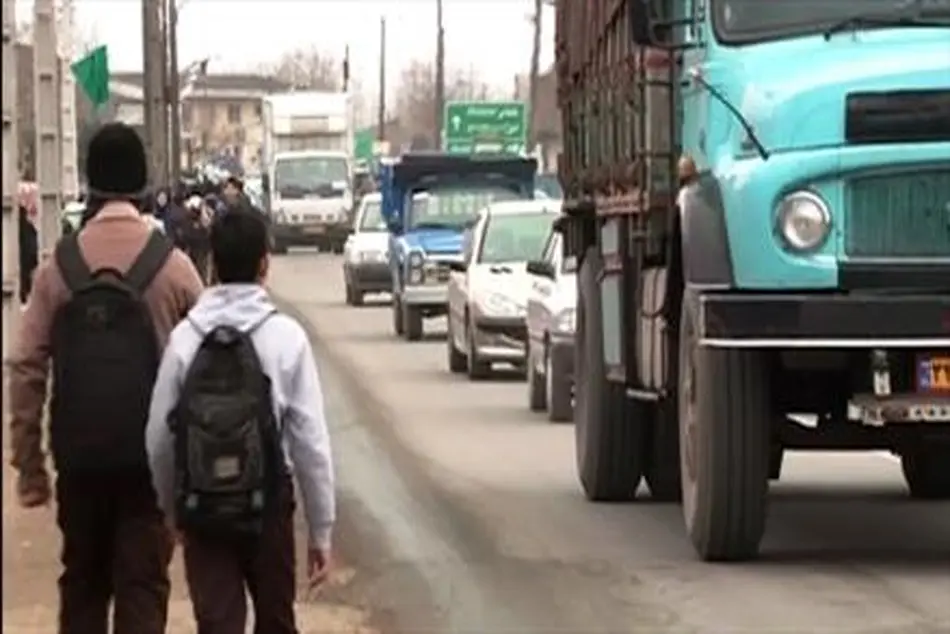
(758, 198)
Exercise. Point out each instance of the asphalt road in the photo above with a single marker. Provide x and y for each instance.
(473, 520)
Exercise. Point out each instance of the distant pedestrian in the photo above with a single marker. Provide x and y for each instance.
(28, 237)
(100, 314)
(234, 505)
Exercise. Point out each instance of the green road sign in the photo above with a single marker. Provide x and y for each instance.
(485, 126)
(363, 142)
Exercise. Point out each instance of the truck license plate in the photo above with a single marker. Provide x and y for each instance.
(314, 230)
(933, 374)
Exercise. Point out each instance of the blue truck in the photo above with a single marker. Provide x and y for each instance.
(430, 199)
(758, 197)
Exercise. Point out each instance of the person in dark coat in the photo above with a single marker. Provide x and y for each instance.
(28, 240)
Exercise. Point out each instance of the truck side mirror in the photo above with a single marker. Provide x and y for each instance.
(641, 14)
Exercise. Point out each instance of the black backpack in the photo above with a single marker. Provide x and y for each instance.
(228, 455)
(105, 357)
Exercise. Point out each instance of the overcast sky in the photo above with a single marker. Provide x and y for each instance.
(494, 36)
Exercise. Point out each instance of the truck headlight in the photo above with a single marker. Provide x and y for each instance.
(564, 321)
(804, 221)
(415, 262)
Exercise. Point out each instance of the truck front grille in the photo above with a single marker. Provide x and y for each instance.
(899, 216)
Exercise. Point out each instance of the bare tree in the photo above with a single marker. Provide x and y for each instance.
(534, 71)
(311, 69)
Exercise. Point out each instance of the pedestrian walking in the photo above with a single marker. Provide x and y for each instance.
(223, 472)
(100, 313)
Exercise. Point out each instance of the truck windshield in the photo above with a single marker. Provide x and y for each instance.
(300, 176)
(453, 208)
(372, 218)
(514, 237)
(747, 21)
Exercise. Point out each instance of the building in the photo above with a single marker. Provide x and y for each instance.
(221, 113)
(547, 116)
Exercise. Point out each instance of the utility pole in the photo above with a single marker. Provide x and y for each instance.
(381, 113)
(11, 177)
(439, 76)
(534, 72)
(153, 84)
(47, 105)
(67, 85)
(174, 92)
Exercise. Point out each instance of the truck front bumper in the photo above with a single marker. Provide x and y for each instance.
(309, 234)
(425, 295)
(759, 320)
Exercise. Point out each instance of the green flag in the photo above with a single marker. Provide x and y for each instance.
(92, 75)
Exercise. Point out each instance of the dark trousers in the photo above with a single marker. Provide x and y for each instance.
(219, 568)
(115, 548)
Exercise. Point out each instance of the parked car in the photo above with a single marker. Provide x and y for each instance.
(488, 288)
(365, 254)
(551, 320)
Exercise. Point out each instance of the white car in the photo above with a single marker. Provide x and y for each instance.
(488, 289)
(365, 253)
(551, 308)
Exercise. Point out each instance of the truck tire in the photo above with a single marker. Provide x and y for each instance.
(337, 248)
(608, 428)
(348, 293)
(279, 248)
(537, 394)
(662, 461)
(398, 326)
(412, 322)
(558, 388)
(357, 296)
(725, 429)
(456, 360)
(927, 471)
(476, 369)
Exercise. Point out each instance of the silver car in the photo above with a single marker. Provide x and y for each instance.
(551, 305)
(488, 290)
(365, 253)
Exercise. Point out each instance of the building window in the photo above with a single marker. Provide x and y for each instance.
(234, 113)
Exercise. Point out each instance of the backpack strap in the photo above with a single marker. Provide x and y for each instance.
(149, 261)
(71, 263)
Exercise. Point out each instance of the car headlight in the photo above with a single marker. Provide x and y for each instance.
(804, 221)
(564, 321)
(501, 306)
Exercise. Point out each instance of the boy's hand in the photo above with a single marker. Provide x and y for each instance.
(319, 561)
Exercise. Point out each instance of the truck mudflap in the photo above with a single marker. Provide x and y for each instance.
(766, 320)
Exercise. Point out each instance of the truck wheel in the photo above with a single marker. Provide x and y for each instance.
(338, 248)
(724, 421)
(279, 248)
(412, 320)
(558, 387)
(457, 361)
(398, 326)
(608, 429)
(927, 471)
(348, 294)
(662, 470)
(357, 296)
(537, 395)
(476, 368)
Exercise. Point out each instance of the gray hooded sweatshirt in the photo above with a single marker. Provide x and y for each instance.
(287, 358)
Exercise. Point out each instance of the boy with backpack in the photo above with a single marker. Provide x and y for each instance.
(237, 408)
(100, 312)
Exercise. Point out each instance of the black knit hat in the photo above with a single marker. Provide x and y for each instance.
(116, 165)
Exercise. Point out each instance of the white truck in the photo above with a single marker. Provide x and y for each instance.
(307, 163)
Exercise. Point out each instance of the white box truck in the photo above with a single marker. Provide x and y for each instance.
(308, 168)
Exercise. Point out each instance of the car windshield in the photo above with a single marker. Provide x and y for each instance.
(372, 218)
(514, 237)
(549, 184)
(304, 175)
(744, 21)
(454, 208)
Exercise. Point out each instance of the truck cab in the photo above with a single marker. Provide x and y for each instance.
(429, 200)
(758, 195)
